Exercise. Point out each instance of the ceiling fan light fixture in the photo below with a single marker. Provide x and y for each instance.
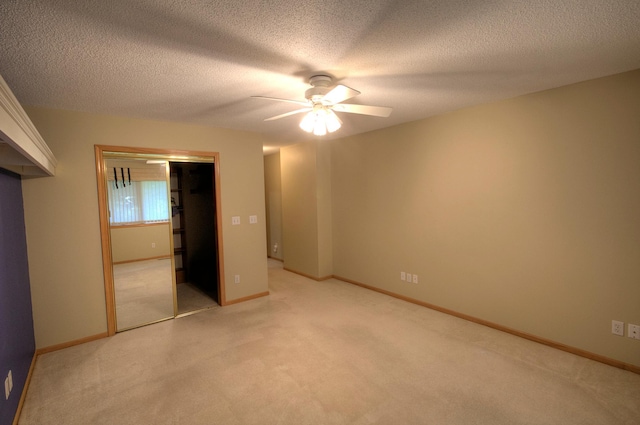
(308, 122)
(320, 129)
(320, 125)
(322, 99)
(320, 121)
(332, 121)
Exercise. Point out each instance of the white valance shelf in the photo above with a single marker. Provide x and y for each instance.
(22, 149)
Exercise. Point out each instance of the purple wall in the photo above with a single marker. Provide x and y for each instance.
(17, 343)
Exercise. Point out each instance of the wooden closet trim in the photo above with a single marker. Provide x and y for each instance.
(105, 234)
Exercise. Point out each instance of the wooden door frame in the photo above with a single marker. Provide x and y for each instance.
(105, 234)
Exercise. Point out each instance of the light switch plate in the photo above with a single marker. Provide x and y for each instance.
(633, 331)
(253, 219)
(235, 220)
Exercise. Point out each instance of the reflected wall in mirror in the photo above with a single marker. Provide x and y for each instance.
(140, 230)
(160, 224)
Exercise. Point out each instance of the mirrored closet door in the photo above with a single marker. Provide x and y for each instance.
(141, 236)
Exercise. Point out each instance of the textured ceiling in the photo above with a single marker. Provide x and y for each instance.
(200, 61)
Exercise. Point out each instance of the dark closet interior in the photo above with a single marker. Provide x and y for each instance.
(194, 225)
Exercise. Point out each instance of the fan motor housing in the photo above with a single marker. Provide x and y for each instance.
(321, 86)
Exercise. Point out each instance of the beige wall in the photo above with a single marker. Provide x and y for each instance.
(132, 243)
(524, 212)
(323, 196)
(306, 208)
(273, 194)
(299, 208)
(63, 233)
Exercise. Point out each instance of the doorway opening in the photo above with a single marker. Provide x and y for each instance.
(194, 233)
(160, 222)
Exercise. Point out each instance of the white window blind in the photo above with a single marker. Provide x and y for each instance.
(155, 206)
(138, 202)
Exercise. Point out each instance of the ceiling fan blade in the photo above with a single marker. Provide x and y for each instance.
(340, 93)
(298, 111)
(297, 102)
(378, 111)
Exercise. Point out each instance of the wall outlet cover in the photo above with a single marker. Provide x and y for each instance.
(617, 327)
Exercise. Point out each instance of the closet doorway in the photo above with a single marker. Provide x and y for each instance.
(161, 236)
(194, 235)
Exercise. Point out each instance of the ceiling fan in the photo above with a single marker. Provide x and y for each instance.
(322, 100)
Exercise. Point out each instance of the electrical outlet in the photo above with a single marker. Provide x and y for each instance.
(415, 278)
(253, 219)
(236, 278)
(617, 328)
(235, 220)
(8, 385)
(403, 276)
(633, 331)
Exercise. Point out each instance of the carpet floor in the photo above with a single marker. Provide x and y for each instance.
(191, 298)
(324, 353)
